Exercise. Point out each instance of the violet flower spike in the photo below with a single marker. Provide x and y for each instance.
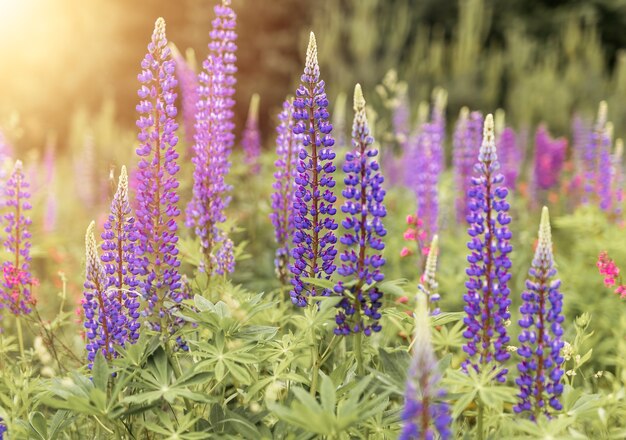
(287, 145)
(156, 254)
(487, 298)
(119, 240)
(188, 86)
(214, 141)
(510, 157)
(314, 238)
(17, 280)
(549, 159)
(541, 366)
(101, 313)
(425, 411)
(617, 180)
(466, 144)
(364, 208)
(251, 141)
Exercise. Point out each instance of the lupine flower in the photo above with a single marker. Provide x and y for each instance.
(428, 280)
(580, 138)
(188, 86)
(251, 141)
(437, 127)
(608, 268)
(401, 118)
(605, 163)
(487, 298)
(549, 159)
(617, 180)
(17, 282)
(3, 428)
(214, 141)
(425, 412)
(314, 237)
(362, 260)
(156, 253)
(104, 322)
(510, 156)
(466, 143)
(118, 246)
(597, 142)
(285, 187)
(541, 367)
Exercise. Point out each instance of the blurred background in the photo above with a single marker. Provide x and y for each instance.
(538, 59)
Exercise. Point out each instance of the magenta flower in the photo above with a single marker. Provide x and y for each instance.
(214, 141)
(549, 159)
(17, 283)
(156, 254)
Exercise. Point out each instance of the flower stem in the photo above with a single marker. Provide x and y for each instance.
(358, 339)
(20, 335)
(481, 415)
(315, 359)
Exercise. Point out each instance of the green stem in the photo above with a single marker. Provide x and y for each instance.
(20, 335)
(315, 361)
(481, 415)
(358, 339)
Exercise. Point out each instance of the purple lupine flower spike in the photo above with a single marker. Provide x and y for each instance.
(101, 313)
(549, 159)
(437, 127)
(251, 141)
(156, 254)
(510, 157)
(287, 145)
(604, 164)
(466, 143)
(541, 367)
(425, 412)
(188, 86)
(118, 245)
(314, 237)
(17, 280)
(487, 298)
(362, 259)
(214, 141)
(617, 180)
(592, 156)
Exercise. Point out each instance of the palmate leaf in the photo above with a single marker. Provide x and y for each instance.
(333, 415)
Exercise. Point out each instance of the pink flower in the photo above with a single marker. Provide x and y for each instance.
(405, 252)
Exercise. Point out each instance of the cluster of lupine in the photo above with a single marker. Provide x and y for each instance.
(425, 162)
(425, 412)
(214, 140)
(608, 268)
(251, 139)
(487, 298)
(287, 145)
(364, 211)
(314, 236)
(17, 281)
(549, 159)
(540, 340)
(466, 143)
(156, 254)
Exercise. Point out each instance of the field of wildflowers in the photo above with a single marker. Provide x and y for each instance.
(372, 270)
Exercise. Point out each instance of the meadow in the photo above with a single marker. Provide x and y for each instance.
(400, 258)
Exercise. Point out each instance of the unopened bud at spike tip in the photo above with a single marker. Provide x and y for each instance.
(359, 100)
(311, 52)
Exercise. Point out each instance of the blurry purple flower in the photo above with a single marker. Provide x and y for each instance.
(487, 298)
(214, 141)
(251, 140)
(287, 146)
(188, 86)
(362, 259)
(425, 412)
(466, 144)
(314, 238)
(510, 157)
(549, 159)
